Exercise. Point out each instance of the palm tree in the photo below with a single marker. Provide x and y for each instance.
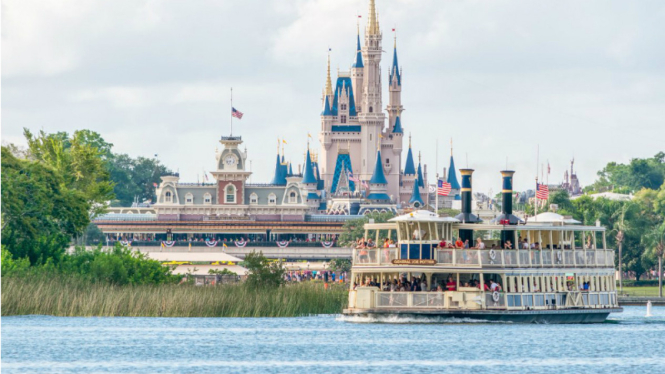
(620, 227)
(655, 241)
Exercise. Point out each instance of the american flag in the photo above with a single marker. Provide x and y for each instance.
(352, 178)
(443, 188)
(365, 185)
(236, 113)
(542, 191)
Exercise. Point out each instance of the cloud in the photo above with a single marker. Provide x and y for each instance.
(583, 79)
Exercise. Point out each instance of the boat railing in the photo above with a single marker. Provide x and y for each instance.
(499, 258)
(374, 256)
(467, 300)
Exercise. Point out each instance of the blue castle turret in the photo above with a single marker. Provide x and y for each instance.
(308, 175)
(452, 177)
(378, 183)
(415, 199)
(409, 167)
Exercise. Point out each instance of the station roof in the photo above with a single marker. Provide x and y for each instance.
(192, 256)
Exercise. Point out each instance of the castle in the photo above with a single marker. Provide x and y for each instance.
(358, 170)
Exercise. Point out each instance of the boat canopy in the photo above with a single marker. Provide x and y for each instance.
(422, 216)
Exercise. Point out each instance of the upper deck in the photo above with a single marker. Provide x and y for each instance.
(424, 239)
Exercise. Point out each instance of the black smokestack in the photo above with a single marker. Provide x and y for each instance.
(466, 216)
(507, 217)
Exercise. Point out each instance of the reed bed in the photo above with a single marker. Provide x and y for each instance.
(73, 297)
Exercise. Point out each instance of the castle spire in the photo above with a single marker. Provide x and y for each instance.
(308, 175)
(378, 177)
(394, 70)
(373, 24)
(409, 167)
(329, 91)
(358, 63)
(421, 180)
(415, 199)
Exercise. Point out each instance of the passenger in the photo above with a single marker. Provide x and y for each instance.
(451, 285)
(480, 244)
(508, 245)
(486, 286)
(439, 288)
(494, 286)
(493, 246)
(442, 244)
(459, 243)
(466, 244)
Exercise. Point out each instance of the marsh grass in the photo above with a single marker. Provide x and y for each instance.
(62, 296)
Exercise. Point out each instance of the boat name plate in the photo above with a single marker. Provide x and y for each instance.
(414, 261)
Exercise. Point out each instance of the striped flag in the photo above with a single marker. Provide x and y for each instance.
(542, 191)
(154, 185)
(352, 178)
(443, 188)
(236, 113)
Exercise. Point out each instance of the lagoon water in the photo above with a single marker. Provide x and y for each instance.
(626, 343)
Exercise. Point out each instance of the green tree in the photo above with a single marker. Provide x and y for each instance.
(134, 178)
(632, 177)
(263, 273)
(355, 228)
(80, 164)
(340, 264)
(40, 214)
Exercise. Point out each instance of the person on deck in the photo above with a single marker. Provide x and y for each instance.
(480, 244)
(451, 285)
(459, 243)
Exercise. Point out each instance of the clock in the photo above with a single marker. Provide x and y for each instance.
(230, 160)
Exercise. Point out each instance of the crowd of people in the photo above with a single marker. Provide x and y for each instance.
(420, 284)
(312, 275)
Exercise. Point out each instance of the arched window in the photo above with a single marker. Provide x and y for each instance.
(207, 198)
(343, 118)
(168, 197)
(343, 106)
(230, 194)
(371, 109)
(189, 198)
(272, 199)
(293, 198)
(253, 199)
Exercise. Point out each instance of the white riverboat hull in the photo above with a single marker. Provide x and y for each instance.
(561, 316)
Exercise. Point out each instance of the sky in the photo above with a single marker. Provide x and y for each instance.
(503, 79)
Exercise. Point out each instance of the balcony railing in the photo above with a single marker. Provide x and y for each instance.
(499, 258)
(460, 300)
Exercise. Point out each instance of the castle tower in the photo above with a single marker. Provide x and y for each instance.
(357, 74)
(371, 117)
(394, 107)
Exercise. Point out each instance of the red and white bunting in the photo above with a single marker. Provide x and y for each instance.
(168, 243)
(282, 244)
(326, 244)
(211, 243)
(241, 243)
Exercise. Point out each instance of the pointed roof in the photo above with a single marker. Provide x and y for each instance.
(290, 169)
(409, 167)
(397, 129)
(415, 195)
(452, 175)
(378, 177)
(308, 175)
(358, 63)
(373, 20)
(328, 80)
(394, 70)
(421, 180)
(279, 178)
(326, 108)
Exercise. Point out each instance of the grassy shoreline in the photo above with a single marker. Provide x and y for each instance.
(71, 297)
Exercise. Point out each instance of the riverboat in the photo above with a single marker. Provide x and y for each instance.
(542, 271)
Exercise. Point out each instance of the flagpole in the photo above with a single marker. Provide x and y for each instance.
(535, 200)
(436, 163)
(231, 111)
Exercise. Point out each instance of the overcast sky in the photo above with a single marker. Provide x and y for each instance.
(579, 78)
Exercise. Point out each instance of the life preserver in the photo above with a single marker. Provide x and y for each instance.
(495, 296)
(492, 254)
